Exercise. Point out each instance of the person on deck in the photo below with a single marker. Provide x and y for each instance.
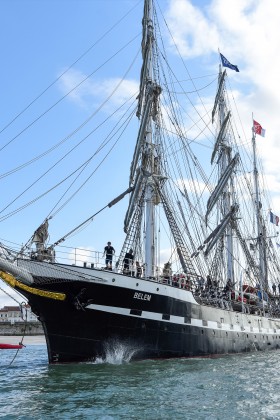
(138, 269)
(167, 272)
(274, 288)
(200, 283)
(208, 282)
(109, 251)
(128, 261)
(175, 279)
(229, 285)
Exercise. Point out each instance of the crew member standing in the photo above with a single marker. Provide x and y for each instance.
(109, 251)
(138, 269)
(128, 261)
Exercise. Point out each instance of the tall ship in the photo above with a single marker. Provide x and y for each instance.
(198, 270)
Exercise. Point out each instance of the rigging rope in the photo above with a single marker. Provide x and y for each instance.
(85, 163)
(68, 93)
(71, 65)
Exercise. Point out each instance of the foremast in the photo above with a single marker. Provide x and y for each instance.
(148, 176)
(144, 167)
(150, 147)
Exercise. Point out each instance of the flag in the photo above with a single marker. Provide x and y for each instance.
(273, 218)
(226, 63)
(258, 129)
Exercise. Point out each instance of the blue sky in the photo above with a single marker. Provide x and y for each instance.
(41, 39)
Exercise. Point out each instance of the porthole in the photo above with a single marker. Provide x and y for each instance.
(113, 280)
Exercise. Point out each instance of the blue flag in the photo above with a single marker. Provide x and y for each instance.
(226, 63)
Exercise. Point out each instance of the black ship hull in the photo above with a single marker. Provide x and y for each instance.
(110, 312)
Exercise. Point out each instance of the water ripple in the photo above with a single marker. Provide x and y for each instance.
(232, 387)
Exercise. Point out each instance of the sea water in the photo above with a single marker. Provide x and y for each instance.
(244, 386)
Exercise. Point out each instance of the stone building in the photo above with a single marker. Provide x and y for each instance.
(13, 314)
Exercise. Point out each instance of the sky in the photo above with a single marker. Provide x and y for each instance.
(66, 41)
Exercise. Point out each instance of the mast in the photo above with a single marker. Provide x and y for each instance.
(149, 145)
(224, 162)
(144, 169)
(260, 227)
(224, 189)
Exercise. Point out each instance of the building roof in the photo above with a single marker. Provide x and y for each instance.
(10, 308)
(14, 308)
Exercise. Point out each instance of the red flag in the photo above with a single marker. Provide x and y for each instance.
(258, 129)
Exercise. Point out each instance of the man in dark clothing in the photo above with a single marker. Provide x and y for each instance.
(109, 252)
(128, 261)
(208, 282)
(138, 269)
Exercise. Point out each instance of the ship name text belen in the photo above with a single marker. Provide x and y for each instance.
(141, 296)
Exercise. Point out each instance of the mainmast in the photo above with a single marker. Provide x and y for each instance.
(223, 192)
(227, 200)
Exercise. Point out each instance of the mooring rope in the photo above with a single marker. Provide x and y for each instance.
(21, 305)
(24, 331)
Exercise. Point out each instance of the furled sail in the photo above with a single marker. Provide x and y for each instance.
(141, 137)
(219, 92)
(221, 184)
(134, 198)
(217, 233)
(220, 136)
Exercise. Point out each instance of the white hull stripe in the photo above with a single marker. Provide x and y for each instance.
(154, 316)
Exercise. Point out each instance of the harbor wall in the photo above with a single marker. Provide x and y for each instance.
(19, 328)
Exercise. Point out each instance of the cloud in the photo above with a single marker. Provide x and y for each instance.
(192, 32)
(85, 92)
(245, 31)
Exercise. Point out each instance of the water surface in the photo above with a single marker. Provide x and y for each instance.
(231, 387)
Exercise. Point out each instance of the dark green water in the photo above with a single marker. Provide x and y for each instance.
(231, 387)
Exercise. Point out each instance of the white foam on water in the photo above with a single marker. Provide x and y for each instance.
(116, 353)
